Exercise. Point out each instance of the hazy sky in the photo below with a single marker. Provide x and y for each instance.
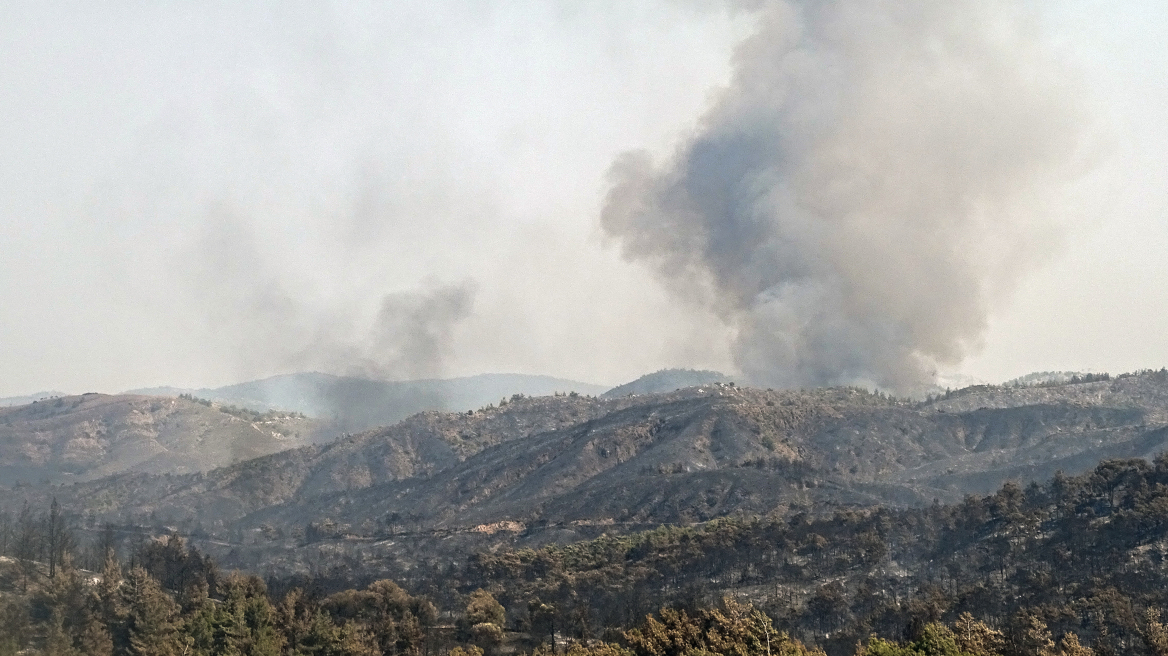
(198, 194)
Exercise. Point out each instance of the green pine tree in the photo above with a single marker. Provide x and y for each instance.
(14, 627)
(58, 642)
(152, 615)
(95, 639)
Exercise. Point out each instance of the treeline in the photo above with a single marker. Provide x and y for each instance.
(247, 414)
(175, 601)
(132, 613)
(30, 537)
(1051, 380)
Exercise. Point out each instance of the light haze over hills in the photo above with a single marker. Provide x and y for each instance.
(350, 403)
(28, 398)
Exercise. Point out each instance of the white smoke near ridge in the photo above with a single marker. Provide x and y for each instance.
(875, 176)
(270, 322)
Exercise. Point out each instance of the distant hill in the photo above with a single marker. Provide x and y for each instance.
(28, 398)
(667, 380)
(77, 438)
(1044, 378)
(354, 404)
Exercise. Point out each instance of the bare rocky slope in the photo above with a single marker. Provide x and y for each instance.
(80, 438)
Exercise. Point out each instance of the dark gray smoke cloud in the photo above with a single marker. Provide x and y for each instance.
(410, 338)
(874, 176)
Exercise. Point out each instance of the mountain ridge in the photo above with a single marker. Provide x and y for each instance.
(689, 455)
(353, 404)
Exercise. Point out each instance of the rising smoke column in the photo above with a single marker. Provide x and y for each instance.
(875, 174)
(410, 337)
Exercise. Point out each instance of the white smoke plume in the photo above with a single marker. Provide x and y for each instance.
(874, 177)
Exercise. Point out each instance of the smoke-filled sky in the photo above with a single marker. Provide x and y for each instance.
(797, 192)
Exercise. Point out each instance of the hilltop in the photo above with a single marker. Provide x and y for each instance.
(667, 380)
(29, 398)
(79, 438)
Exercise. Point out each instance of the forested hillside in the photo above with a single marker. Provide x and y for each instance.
(414, 448)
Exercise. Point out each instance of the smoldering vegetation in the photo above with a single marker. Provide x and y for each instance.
(873, 179)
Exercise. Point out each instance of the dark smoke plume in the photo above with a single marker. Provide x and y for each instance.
(409, 338)
(875, 175)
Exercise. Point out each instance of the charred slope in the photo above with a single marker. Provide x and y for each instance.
(1082, 554)
(415, 448)
(1147, 390)
(685, 456)
(698, 454)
